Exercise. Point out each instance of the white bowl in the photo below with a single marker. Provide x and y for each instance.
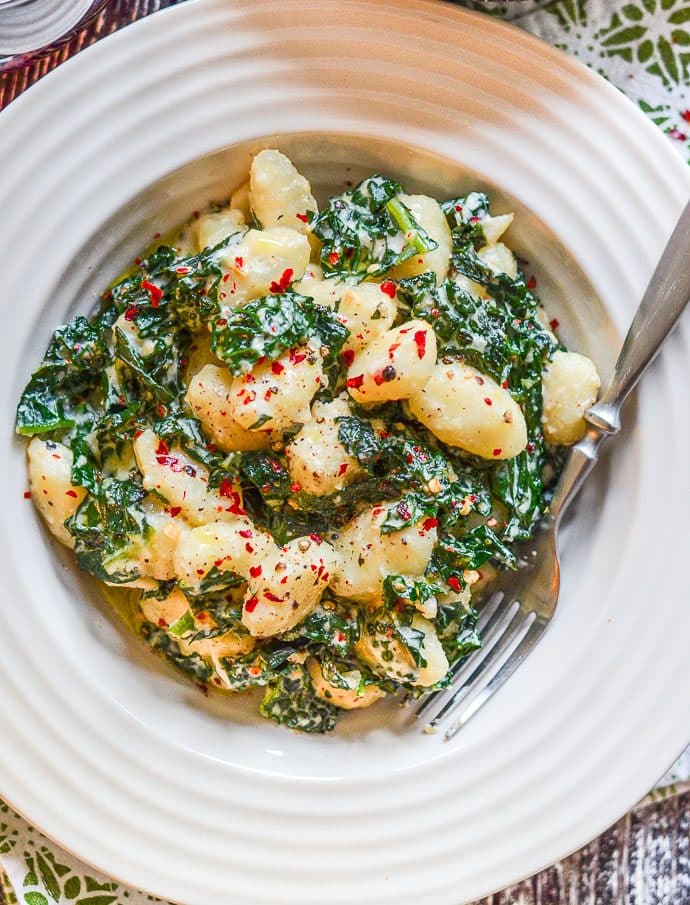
(196, 799)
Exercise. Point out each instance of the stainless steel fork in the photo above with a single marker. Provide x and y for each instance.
(522, 606)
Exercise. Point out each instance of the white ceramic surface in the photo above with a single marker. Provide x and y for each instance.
(122, 761)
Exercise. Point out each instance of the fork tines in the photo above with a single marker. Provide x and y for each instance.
(509, 631)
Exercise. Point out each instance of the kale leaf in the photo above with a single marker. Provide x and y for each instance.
(368, 230)
(291, 701)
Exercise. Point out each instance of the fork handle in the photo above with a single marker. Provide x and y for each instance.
(666, 296)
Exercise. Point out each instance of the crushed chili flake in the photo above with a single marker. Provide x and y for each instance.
(430, 523)
(554, 323)
(532, 282)
(403, 512)
(182, 271)
(248, 547)
(137, 261)
(155, 293)
(251, 604)
(678, 135)
(392, 349)
(379, 378)
(389, 288)
(348, 356)
(174, 511)
(342, 469)
(303, 217)
(27, 494)
(354, 383)
(295, 488)
(199, 571)
(454, 583)
(255, 571)
(284, 282)
(487, 401)
(246, 532)
(316, 538)
(163, 449)
(277, 368)
(420, 340)
(132, 312)
(497, 451)
(297, 357)
(530, 447)
(273, 597)
(504, 384)
(333, 258)
(474, 220)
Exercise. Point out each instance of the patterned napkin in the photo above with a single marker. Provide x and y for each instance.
(643, 47)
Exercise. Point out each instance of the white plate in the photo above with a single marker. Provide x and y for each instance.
(111, 753)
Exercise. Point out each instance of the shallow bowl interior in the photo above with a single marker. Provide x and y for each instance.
(220, 726)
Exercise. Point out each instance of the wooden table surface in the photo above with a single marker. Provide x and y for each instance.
(644, 859)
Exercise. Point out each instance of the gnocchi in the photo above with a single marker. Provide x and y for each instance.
(269, 437)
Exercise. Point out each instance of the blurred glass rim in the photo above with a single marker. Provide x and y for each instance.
(33, 28)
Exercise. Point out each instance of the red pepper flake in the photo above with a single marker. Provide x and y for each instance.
(160, 410)
(267, 395)
(430, 523)
(505, 384)
(348, 356)
(454, 583)
(246, 532)
(530, 447)
(474, 220)
(273, 597)
(303, 217)
(199, 571)
(295, 488)
(284, 281)
(318, 540)
(297, 357)
(354, 383)
(182, 271)
(678, 135)
(251, 604)
(137, 261)
(497, 451)
(218, 563)
(403, 512)
(388, 288)
(163, 449)
(132, 312)
(226, 277)
(532, 282)
(27, 494)
(342, 469)
(554, 323)
(239, 262)
(379, 378)
(255, 571)
(174, 511)
(487, 401)
(277, 368)
(392, 350)
(155, 294)
(283, 580)
(162, 623)
(333, 258)
(156, 235)
(420, 340)
(248, 547)
(458, 208)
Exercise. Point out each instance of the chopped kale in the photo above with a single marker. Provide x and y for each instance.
(368, 230)
(290, 700)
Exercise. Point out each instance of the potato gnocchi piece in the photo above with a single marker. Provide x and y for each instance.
(316, 458)
(494, 227)
(367, 310)
(465, 408)
(165, 612)
(263, 259)
(366, 556)
(199, 354)
(570, 385)
(395, 365)
(387, 655)
(55, 496)
(182, 482)
(239, 201)
(231, 546)
(428, 214)
(208, 397)
(499, 258)
(212, 228)
(346, 698)
(287, 585)
(277, 394)
(279, 195)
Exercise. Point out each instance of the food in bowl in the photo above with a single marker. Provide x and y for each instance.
(304, 440)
